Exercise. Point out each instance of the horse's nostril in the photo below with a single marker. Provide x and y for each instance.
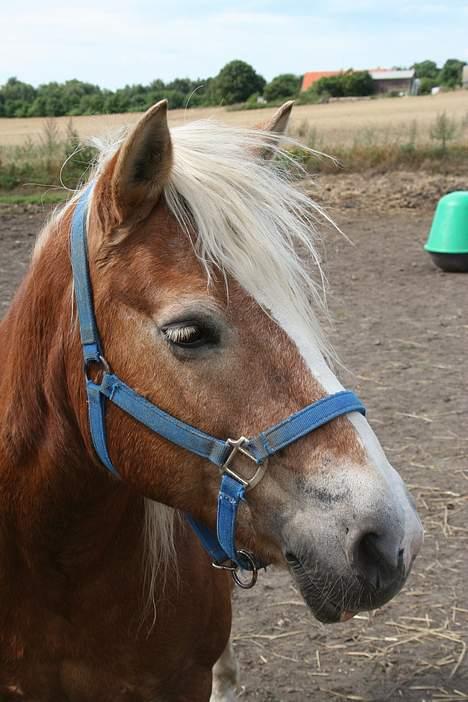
(378, 559)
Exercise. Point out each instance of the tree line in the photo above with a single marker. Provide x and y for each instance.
(237, 82)
(447, 76)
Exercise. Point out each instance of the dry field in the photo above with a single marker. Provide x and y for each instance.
(336, 123)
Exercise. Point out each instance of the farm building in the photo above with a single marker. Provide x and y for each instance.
(386, 80)
(465, 76)
(393, 80)
(313, 76)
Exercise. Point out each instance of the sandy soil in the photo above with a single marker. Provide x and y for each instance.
(401, 329)
(336, 123)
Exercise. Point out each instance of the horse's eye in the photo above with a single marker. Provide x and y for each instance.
(188, 334)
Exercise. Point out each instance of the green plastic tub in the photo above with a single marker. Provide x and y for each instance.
(447, 242)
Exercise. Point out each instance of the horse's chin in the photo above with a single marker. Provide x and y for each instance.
(319, 596)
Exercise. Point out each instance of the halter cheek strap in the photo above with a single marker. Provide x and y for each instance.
(222, 453)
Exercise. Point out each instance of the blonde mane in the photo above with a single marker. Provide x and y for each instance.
(251, 218)
(252, 221)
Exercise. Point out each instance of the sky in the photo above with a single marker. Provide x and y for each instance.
(116, 42)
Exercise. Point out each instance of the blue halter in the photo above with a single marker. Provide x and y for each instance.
(221, 546)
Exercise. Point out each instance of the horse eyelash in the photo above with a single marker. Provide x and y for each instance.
(180, 334)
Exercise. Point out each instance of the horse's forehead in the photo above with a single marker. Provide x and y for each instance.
(160, 256)
(165, 238)
(164, 263)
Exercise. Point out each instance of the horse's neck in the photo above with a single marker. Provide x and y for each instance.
(32, 348)
(59, 510)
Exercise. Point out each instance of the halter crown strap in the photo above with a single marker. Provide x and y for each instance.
(221, 453)
(82, 284)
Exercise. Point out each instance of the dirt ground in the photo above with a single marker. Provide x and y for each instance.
(336, 122)
(401, 329)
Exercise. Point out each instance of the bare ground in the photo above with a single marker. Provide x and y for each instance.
(394, 191)
(401, 330)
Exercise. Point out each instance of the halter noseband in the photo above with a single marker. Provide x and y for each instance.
(220, 546)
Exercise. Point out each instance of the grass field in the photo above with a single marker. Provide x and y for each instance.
(335, 123)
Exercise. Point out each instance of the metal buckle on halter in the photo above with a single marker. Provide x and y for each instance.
(234, 569)
(238, 446)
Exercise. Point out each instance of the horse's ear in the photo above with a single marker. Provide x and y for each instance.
(277, 124)
(142, 166)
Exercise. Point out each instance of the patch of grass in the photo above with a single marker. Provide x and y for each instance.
(51, 162)
(46, 198)
(444, 149)
(444, 130)
(377, 158)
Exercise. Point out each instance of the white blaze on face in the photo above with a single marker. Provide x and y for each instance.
(380, 475)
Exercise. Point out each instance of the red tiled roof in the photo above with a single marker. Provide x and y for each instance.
(313, 76)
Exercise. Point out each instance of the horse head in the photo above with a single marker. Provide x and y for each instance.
(202, 260)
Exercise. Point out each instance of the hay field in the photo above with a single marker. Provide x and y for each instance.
(335, 123)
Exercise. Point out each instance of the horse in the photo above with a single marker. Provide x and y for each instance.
(202, 281)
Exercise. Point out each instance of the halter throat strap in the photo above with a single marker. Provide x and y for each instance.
(221, 452)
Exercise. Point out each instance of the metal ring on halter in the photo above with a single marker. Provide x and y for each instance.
(100, 364)
(230, 566)
(233, 568)
(246, 585)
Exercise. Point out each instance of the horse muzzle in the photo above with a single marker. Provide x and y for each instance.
(344, 563)
(336, 598)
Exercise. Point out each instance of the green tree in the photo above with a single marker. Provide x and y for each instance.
(93, 104)
(426, 85)
(77, 93)
(348, 84)
(204, 93)
(17, 96)
(329, 85)
(451, 73)
(283, 86)
(51, 99)
(236, 82)
(176, 98)
(157, 85)
(426, 69)
(181, 85)
(357, 83)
